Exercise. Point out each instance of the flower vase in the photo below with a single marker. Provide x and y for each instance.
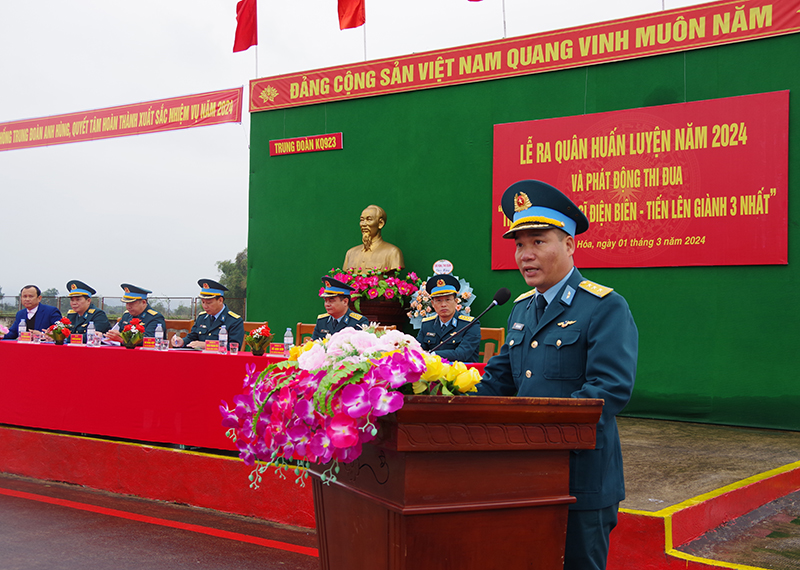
(59, 341)
(260, 351)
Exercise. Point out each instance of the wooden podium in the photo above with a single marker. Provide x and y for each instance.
(457, 483)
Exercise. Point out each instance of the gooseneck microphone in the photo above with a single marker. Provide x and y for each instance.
(501, 297)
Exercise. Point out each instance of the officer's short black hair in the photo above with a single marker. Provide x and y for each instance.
(38, 291)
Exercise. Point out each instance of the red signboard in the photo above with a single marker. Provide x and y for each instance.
(126, 120)
(702, 183)
(663, 32)
(316, 143)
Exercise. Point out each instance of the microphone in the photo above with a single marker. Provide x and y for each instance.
(500, 298)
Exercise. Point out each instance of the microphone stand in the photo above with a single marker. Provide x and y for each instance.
(494, 303)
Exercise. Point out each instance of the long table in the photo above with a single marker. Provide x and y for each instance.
(168, 397)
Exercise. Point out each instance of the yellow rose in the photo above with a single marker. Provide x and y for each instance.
(419, 387)
(466, 380)
(297, 350)
(435, 368)
(455, 369)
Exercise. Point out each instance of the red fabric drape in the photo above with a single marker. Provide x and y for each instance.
(246, 25)
(351, 14)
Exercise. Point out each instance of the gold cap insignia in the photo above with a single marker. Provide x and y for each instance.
(522, 202)
(440, 283)
(205, 286)
(74, 286)
(327, 284)
(127, 290)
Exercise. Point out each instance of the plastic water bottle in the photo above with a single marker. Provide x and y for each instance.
(223, 339)
(159, 337)
(23, 328)
(90, 337)
(288, 339)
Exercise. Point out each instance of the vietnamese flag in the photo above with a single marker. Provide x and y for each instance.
(246, 25)
(351, 14)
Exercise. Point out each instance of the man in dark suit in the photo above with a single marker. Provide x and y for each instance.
(337, 315)
(215, 315)
(36, 316)
(137, 307)
(568, 338)
(445, 324)
(82, 310)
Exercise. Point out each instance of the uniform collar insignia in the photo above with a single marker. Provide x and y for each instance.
(565, 324)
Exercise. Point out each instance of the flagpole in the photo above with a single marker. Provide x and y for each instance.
(504, 19)
(365, 41)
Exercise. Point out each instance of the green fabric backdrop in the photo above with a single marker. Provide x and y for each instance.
(717, 344)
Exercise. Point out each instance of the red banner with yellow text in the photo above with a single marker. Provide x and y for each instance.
(669, 31)
(126, 120)
(701, 183)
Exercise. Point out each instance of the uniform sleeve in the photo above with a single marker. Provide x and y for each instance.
(53, 316)
(317, 334)
(236, 331)
(467, 349)
(101, 322)
(611, 356)
(150, 327)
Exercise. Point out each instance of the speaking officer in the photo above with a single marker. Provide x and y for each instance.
(337, 315)
(215, 314)
(443, 290)
(137, 307)
(82, 310)
(568, 338)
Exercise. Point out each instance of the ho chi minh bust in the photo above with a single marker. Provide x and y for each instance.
(373, 253)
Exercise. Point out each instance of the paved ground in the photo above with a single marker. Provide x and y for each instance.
(51, 526)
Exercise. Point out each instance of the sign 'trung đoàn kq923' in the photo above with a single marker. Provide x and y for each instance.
(699, 183)
(670, 31)
(183, 112)
(313, 143)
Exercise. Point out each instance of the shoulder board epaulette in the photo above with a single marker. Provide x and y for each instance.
(525, 295)
(466, 318)
(152, 312)
(92, 311)
(125, 313)
(426, 319)
(234, 315)
(356, 316)
(322, 316)
(70, 312)
(595, 289)
(201, 313)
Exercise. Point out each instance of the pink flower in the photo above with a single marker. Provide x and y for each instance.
(356, 400)
(343, 431)
(372, 293)
(412, 276)
(384, 402)
(389, 294)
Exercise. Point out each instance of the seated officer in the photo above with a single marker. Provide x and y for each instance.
(463, 347)
(337, 315)
(215, 314)
(82, 310)
(135, 299)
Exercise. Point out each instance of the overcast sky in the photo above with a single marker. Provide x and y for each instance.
(159, 210)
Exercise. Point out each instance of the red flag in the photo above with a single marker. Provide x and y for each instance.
(246, 25)
(351, 14)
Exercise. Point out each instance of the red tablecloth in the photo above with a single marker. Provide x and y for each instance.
(164, 397)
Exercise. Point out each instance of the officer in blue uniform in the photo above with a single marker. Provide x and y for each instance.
(337, 315)
(82, 310)
(447, 321)
(215, 314)
(135, 299)
(568, 338)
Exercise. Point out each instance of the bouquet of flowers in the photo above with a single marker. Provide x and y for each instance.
(133, 333)
(378, 285)
(259, 338)
(421, 305)
(3, 329)
(59, 330)
(323, 404)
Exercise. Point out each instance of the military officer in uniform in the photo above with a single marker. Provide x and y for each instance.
(215, 314)
(137, 307)
(82, 310)
(337, 315)
(445, 324)
(568, 338)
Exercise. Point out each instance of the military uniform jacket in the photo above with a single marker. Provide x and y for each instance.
(207, 328)
(463, 347)
(92, 315)
(585, 346)
(151, 319)
(326, 324)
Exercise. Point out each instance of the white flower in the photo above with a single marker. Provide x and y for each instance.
(312, 359)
